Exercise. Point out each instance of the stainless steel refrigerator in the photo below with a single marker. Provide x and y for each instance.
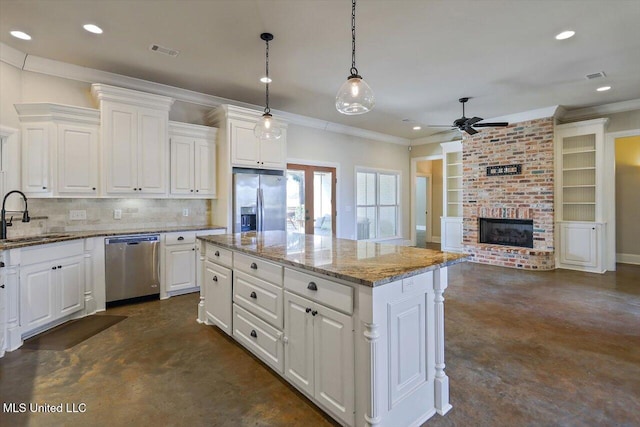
(259, 200)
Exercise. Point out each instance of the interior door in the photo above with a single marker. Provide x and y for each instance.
(311, 196)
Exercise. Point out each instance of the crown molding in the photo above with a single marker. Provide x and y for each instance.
(104, 92)
(601, 110)
(6, 131)
(65, 70)
(46, 111)
(12, 56)
(525, 116)
(192, 131)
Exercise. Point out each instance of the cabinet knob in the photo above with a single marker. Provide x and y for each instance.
(314, 312)
(254, 333)
(254, 266)
(180, 238)
(54, 267)
(312, 286)
(253, 295)
(217, 253)
(308, 310)
(191, 191)
(59, 266)
(593, 228)
(215, 278)
(44, 188)
(193, 249)
(94, 188)
(135, 189)
(139, 189)
(197, 191)
(1, 286)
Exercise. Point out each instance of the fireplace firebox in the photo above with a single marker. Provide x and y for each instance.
(506, 231)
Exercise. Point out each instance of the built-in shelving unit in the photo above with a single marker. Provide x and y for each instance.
(451, 222)
(579, 178)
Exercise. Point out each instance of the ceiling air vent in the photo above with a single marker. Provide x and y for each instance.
(597, 75)
(165, 50)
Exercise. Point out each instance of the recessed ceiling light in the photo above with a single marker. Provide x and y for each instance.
(417, 127)
(603, 88)
(20, 35)
(92, 28)
(565, 35)
(265, 79)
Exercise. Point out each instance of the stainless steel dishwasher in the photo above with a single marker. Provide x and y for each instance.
(132, 267)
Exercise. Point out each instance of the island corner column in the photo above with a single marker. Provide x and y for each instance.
(440, 283)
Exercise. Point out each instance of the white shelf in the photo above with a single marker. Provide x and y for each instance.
(579, 186)
(578, 151)
(579, 169)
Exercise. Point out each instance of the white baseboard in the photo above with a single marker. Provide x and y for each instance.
(421, 227)
(435, 239)
(628, 258)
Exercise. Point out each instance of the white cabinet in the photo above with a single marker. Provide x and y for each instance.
(134, 135)
(193, 160)
(59, 150)
(580, 214)
(249, 151)
(319, 354)
(451, 221)
(217, 291)
(180, 267)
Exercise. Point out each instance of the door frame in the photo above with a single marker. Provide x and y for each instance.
(610, 193)
(414, 173)
(429, 203)
(309, 168)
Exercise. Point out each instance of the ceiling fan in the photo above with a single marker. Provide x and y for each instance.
(464, 124)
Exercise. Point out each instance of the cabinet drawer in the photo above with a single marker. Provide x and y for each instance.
(179, 238)
(260, 338)
(259, 268)
(219, 255)
(326, 292)
(259, 297)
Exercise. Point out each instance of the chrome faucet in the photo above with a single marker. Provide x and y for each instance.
(25, 213)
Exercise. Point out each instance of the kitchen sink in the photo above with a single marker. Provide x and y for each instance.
(29, 239)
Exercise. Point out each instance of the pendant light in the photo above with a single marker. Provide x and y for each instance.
(267, 128)
(355, 96)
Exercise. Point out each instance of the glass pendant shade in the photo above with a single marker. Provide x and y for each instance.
(355, 97)
(267, 128)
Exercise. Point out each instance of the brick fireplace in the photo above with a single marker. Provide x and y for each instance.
(525, 196)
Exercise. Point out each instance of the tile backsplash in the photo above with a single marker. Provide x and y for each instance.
(52, 215)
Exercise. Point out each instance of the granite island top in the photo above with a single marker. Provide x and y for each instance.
(45, 239)
(360, 262)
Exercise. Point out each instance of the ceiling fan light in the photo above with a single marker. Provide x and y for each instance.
(355, 97)
(267, 128)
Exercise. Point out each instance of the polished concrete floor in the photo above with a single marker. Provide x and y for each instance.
(523, 348)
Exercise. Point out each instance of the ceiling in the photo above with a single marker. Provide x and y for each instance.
(419, 56)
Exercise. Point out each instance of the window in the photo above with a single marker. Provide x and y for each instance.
(377, 204)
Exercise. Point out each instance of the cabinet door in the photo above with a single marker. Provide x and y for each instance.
(578, 244)
(36, 146)
(180, 268)
(37, 296)
(298, 349)
(273, 154)
(119, 136)
(152, 151)
(205, 167)
(245, 147)
(77, 159)
(217, 302)
(182, 157)
(333, 362)
(70, 285)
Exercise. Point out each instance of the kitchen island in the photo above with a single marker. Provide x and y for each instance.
(357, 327)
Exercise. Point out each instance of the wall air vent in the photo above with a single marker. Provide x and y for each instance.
(597, 75)
(164, 50)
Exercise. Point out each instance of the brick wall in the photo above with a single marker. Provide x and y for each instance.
(525, 196)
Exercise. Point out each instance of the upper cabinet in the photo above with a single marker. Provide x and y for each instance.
(134, 136)
(247, 150)
(59, 150)
(193, 160)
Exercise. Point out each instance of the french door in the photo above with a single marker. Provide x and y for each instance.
(311, 195)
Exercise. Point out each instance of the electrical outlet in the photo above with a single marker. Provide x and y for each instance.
(77, 215)
(185, 212)
(117, 214)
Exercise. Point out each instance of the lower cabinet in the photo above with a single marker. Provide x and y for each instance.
(180, 267)
(217, 293)
(50, 290)
(580, 246)
(451, 234)
(259, 337)
(319, 355)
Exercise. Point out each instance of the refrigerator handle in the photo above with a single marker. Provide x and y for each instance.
(258, 210)
(261, 209)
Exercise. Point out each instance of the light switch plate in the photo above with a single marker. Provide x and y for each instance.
(77, 215)
(117, 214)
(185, 212)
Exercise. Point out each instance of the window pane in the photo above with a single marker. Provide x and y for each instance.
(388, 221)
(388, 189)
(295, 201)
(366, 224)
(366, 189)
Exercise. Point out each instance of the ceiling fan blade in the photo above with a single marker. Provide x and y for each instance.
(469, 130)
(494, 124)
(439, 126)
(472, 121)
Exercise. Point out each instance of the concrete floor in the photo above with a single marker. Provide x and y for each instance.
(523, 349)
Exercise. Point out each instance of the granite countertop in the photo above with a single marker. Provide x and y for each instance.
(45, 239)
(360, 262)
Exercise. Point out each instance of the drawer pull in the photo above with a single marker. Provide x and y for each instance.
(217, 253)
(180, 238)
(308, 310)
(215, 278)
(254, 333)
(253, 295)
(312, 286)
(314, 312)
(254, 266)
